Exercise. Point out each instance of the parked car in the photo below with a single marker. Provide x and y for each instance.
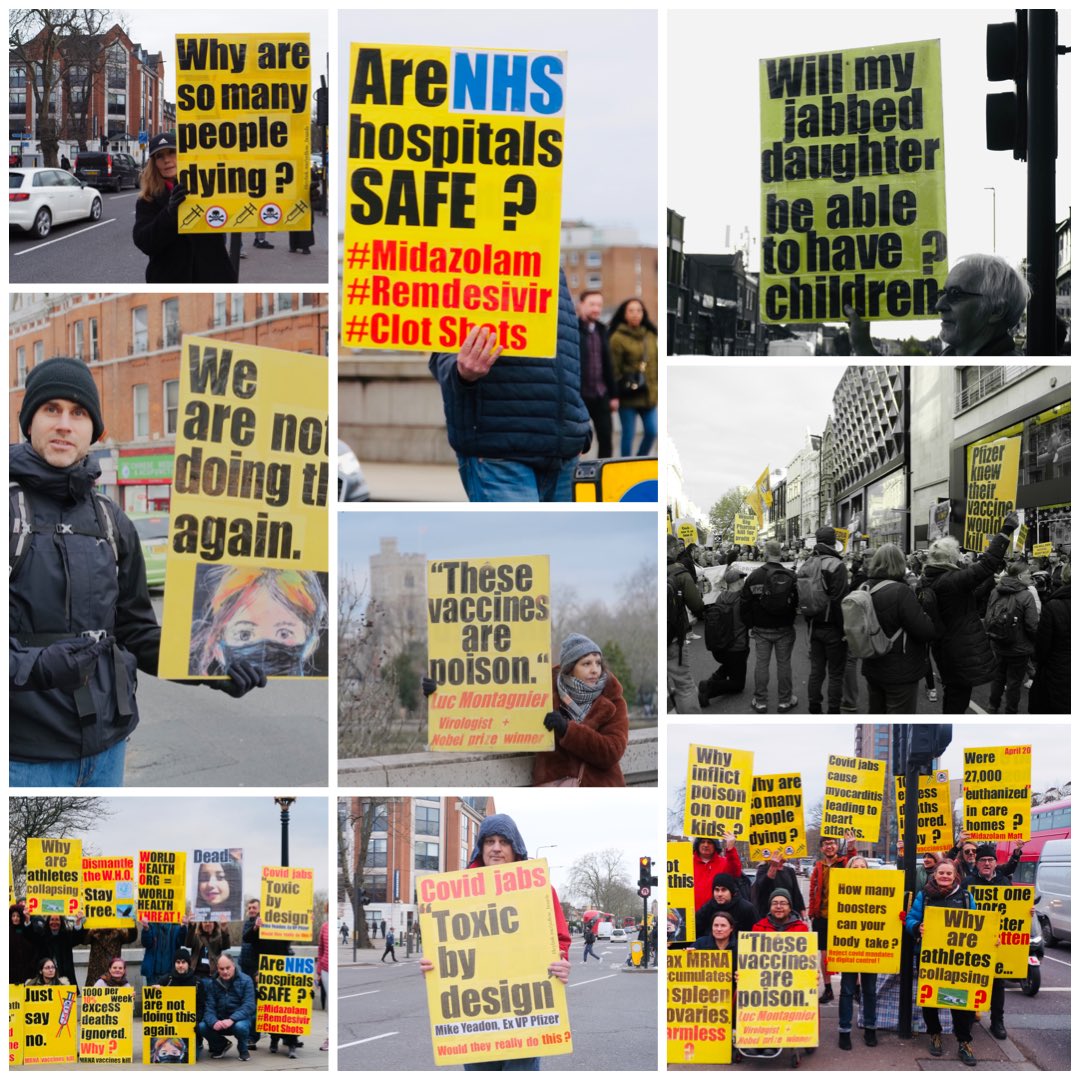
(41, 198)
(1054, 891)
(619, 934)
(153, 530)
(110, 170)
(351, 484)
(876, 864)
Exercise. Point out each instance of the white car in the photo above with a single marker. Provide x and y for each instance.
(619, 934)
(38, 199)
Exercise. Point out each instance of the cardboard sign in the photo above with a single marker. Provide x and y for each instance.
(777, 990)
(746, 529)
(168, 1015)
(217, 884)
(162, 886)
(489, 652)
(108, 892)
(940, 515)
(284, 993)
(49, 1025)
(935, 811)
(246, 571)
(491, 934)
(864, 920)
(687, 532)
(16, 1006)
(718, 785)
(842, 536)
(997, 793)
(1042, 550)
(1020, 538)
(776, 817)
(286, 904)
(852, 184)
(956, 961)
(106, 1017)
(680, 892)
(854, 793)
(992, 469)
(53, 876)
(1013, 903)
(453, 198)
(243, 132)
(699, 1006)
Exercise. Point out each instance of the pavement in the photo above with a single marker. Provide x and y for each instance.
(406, 482)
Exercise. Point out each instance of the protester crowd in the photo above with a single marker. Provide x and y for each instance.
(940, 616)
(727, 905)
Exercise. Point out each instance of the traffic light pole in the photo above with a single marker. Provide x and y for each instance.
(911, 855)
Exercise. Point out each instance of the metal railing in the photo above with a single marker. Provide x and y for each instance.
(990, 380)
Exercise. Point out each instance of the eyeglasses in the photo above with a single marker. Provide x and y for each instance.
(953, 293)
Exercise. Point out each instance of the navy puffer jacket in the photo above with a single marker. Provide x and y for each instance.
(526, 409)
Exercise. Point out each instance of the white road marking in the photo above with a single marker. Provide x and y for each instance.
(1057, 961)
(343, 997)
(600, 979)
(67, 236)
(384, 1035)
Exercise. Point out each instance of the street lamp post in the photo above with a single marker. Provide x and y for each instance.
(993, 191)
(284, 801)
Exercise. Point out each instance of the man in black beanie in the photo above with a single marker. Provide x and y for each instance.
(80, 619)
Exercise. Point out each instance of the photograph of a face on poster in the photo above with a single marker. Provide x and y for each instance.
(219, 884)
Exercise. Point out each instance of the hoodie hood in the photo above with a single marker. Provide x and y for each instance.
(501, 825)
(27, 467)
(826, 550)
(1010, 585)
(706, 840)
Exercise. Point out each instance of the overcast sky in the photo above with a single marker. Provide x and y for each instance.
(728, 423)
(610, 168)
(207, 820)
(580, 545)
(805, 749)
(714, 120)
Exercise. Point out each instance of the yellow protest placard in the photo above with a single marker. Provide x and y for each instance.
(162, 886)
(687, 532)
(168, 1016)
(956, 961)
(777, 990)
(1013, 903)
(53, 876)
(16, 1005)
(842, 536)
(680, 891)
(934, 811)
(992, 470)
(284, 993)
(453, 198)
(699, 1006)
(776, 817)
(1042, 550)
(106, 1016)
(854, 794)
(746, 529)
(491, 935)
(864, 920)
(49, 1025)
(108, 892)
(243, 132)
(997, 793)
(1020, 538)
(718, 784)
(489, 652)
(246, 572)
(287, 904)
(852, 184)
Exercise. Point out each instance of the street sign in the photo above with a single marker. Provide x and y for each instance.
(645, 890)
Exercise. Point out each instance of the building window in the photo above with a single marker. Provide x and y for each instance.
(427, 821)
(170, 322)
(308, 299)
(594, 281)
(170, 404)
(381, 817)
(94, 355)
(425, 856)
(284, 301)
(39, 352)
(375, 884)
(593, 258)
(77, 340)
(20, 366)
(237, 308)
(141, 398)
(376, 852)
(140, 333)
(221, 308)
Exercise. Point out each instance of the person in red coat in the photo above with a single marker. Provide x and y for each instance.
(710, 860)
(590, 724)
(781, 915)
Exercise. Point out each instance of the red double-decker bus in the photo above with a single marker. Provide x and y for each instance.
(1050, 821)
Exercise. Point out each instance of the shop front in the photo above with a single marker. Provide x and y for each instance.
(145, 477)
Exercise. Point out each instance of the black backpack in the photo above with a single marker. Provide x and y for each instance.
(678, 621)
(778, 592)
(723, 625)
(1003, 624)
(928, 601)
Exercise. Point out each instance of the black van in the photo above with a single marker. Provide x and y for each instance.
(107, 170)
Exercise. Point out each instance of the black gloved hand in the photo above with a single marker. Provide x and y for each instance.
(555, 721)
(428, 686)
(242, 677)
(177, 196)
(66, 665)
(1011, 523)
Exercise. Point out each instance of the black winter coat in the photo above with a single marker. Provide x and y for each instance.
(606, 373)
(175, 258)
(59, 946)
(786, 878)
(831, 623)
(897, 609)
(1053, 640)
(66, 585)
(1012, 590)
(963, 653)
(742, 911)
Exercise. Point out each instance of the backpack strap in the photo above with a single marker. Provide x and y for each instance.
(22, 527)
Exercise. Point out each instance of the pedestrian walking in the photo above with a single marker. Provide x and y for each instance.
(1012, 622)
(768, 604)
(597, 377)
(590, 940)
(635, 361)
(389, 950)
(175, 257)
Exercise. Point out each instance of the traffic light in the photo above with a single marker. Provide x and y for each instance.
(1006, 114)
(928, 742)
(645, 874)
